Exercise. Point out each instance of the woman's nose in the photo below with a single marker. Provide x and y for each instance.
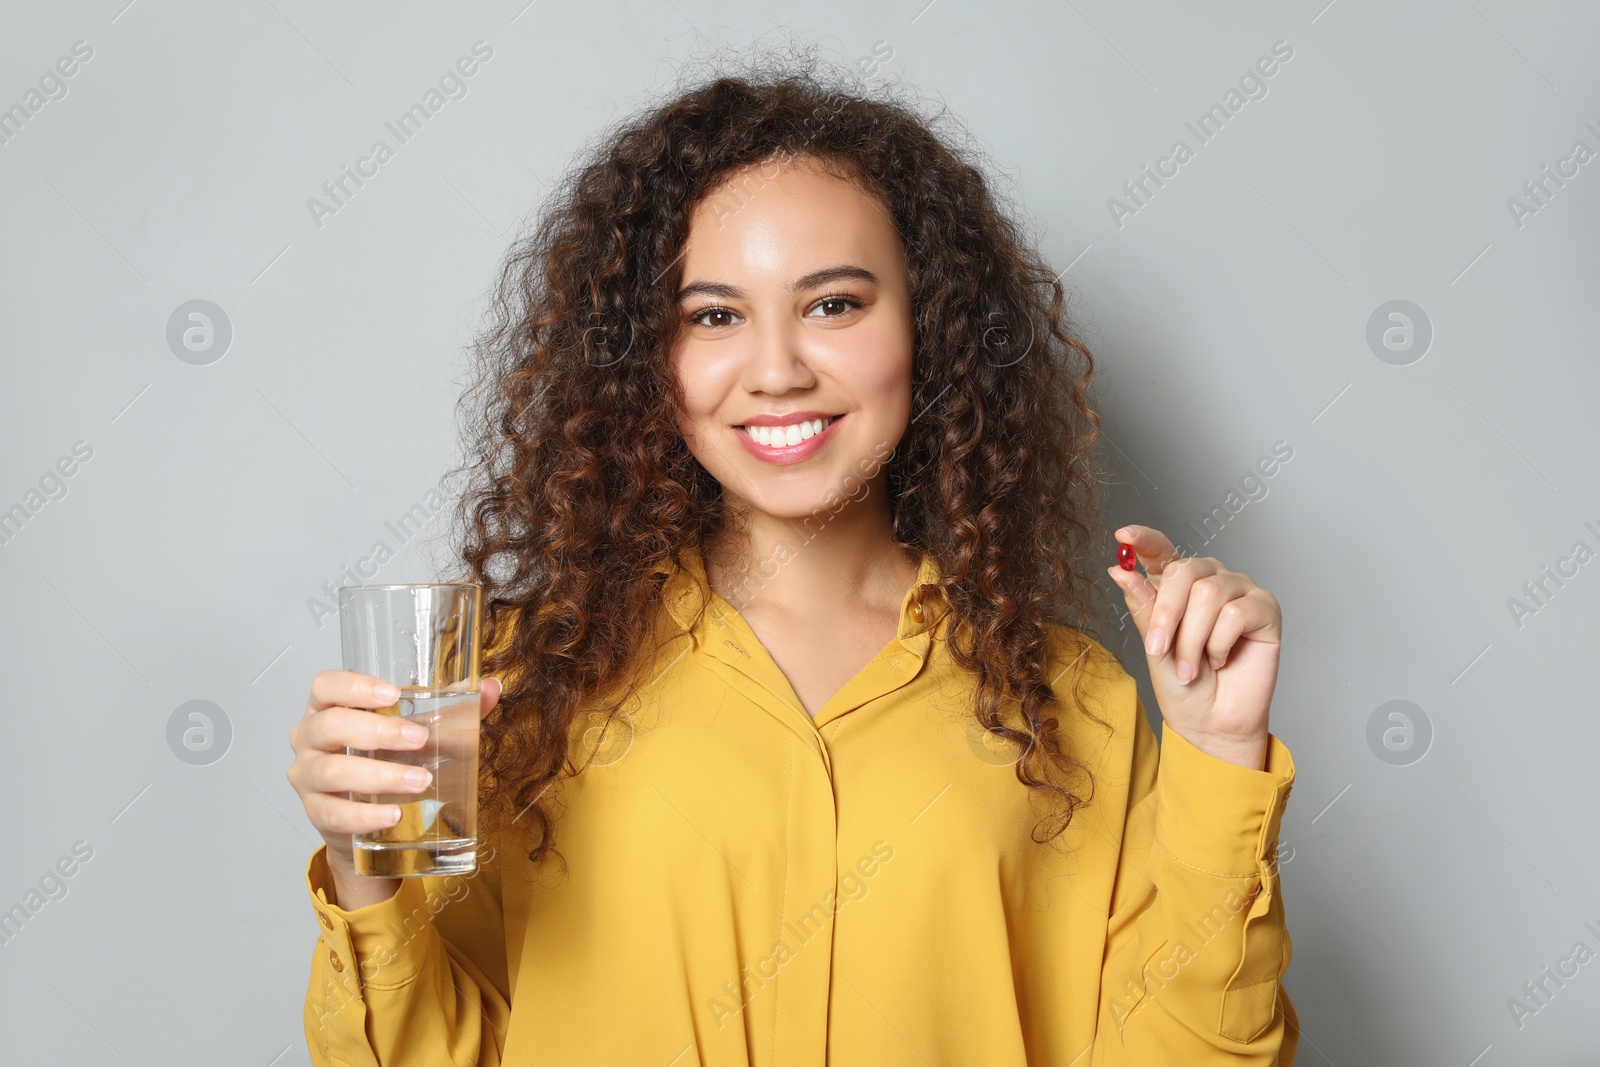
(776, 361)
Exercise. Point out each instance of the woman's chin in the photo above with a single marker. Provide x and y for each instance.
(813, 505)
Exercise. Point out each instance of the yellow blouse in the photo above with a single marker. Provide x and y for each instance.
(749, 885)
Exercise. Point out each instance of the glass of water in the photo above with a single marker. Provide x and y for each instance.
(426, 640)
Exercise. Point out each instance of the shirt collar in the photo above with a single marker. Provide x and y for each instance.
(687, 590)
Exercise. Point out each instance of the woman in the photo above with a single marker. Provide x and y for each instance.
(784, 498)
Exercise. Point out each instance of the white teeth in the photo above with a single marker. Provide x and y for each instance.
(785, 436)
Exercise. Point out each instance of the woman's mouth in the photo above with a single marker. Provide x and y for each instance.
(787, 442)
(790, 434)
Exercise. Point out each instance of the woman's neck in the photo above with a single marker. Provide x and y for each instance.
(828, 562)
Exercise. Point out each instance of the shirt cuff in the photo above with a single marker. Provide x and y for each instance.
(1218, 817)
(372, 947)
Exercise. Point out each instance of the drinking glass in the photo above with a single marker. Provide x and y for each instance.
(426, 640)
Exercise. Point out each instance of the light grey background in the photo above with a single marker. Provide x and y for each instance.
(1228, 313)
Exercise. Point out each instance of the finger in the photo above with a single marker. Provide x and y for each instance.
(333, 772)
(489, 695)
(337, 815)
(351, 690)
(1172, 598)
(1208, 597)
(1247, 614)
(335, 729)
(1152, 546)
(1139, 595)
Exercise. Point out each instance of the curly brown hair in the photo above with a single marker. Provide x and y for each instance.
(581, 487)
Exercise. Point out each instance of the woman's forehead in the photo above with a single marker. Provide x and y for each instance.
(784, 223)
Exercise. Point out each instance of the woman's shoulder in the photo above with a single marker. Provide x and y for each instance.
(1074, 649)
(1088, 675)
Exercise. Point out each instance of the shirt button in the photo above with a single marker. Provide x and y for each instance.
(333, 958)
(326, 922)
(916, 611)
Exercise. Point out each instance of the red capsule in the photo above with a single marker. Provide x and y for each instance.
(1127, 558)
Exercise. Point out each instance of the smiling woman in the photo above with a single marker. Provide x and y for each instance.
(796, 347)
(769, 511)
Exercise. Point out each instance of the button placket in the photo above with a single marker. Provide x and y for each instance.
(341, 953)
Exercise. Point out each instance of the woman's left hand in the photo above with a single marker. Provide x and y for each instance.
(1212, 638)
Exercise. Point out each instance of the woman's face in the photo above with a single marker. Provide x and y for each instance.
(795, 308)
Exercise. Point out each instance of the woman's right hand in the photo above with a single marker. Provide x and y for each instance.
(338, 716)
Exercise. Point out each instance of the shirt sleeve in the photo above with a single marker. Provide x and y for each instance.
(418, 980)
(1197, 944)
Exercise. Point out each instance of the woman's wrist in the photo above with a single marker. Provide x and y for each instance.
(355, 891)
(1247, 752)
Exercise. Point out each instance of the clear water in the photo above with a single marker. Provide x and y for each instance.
(437, 831)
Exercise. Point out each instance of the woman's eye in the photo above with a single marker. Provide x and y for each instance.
(699, 317)
(830, 307)
(842, 304)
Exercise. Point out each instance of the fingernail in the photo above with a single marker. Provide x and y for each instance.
(393, 814)
(1216, 664)
(1186, 671)
(1156, 642)
(412, 732)
(386, 691)
(417, 776)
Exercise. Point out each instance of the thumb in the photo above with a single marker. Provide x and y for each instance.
(488, 696)
(1139, 594)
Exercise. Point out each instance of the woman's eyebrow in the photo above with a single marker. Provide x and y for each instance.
(810, 281)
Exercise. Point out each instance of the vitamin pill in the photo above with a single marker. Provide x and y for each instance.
(1127, 558)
